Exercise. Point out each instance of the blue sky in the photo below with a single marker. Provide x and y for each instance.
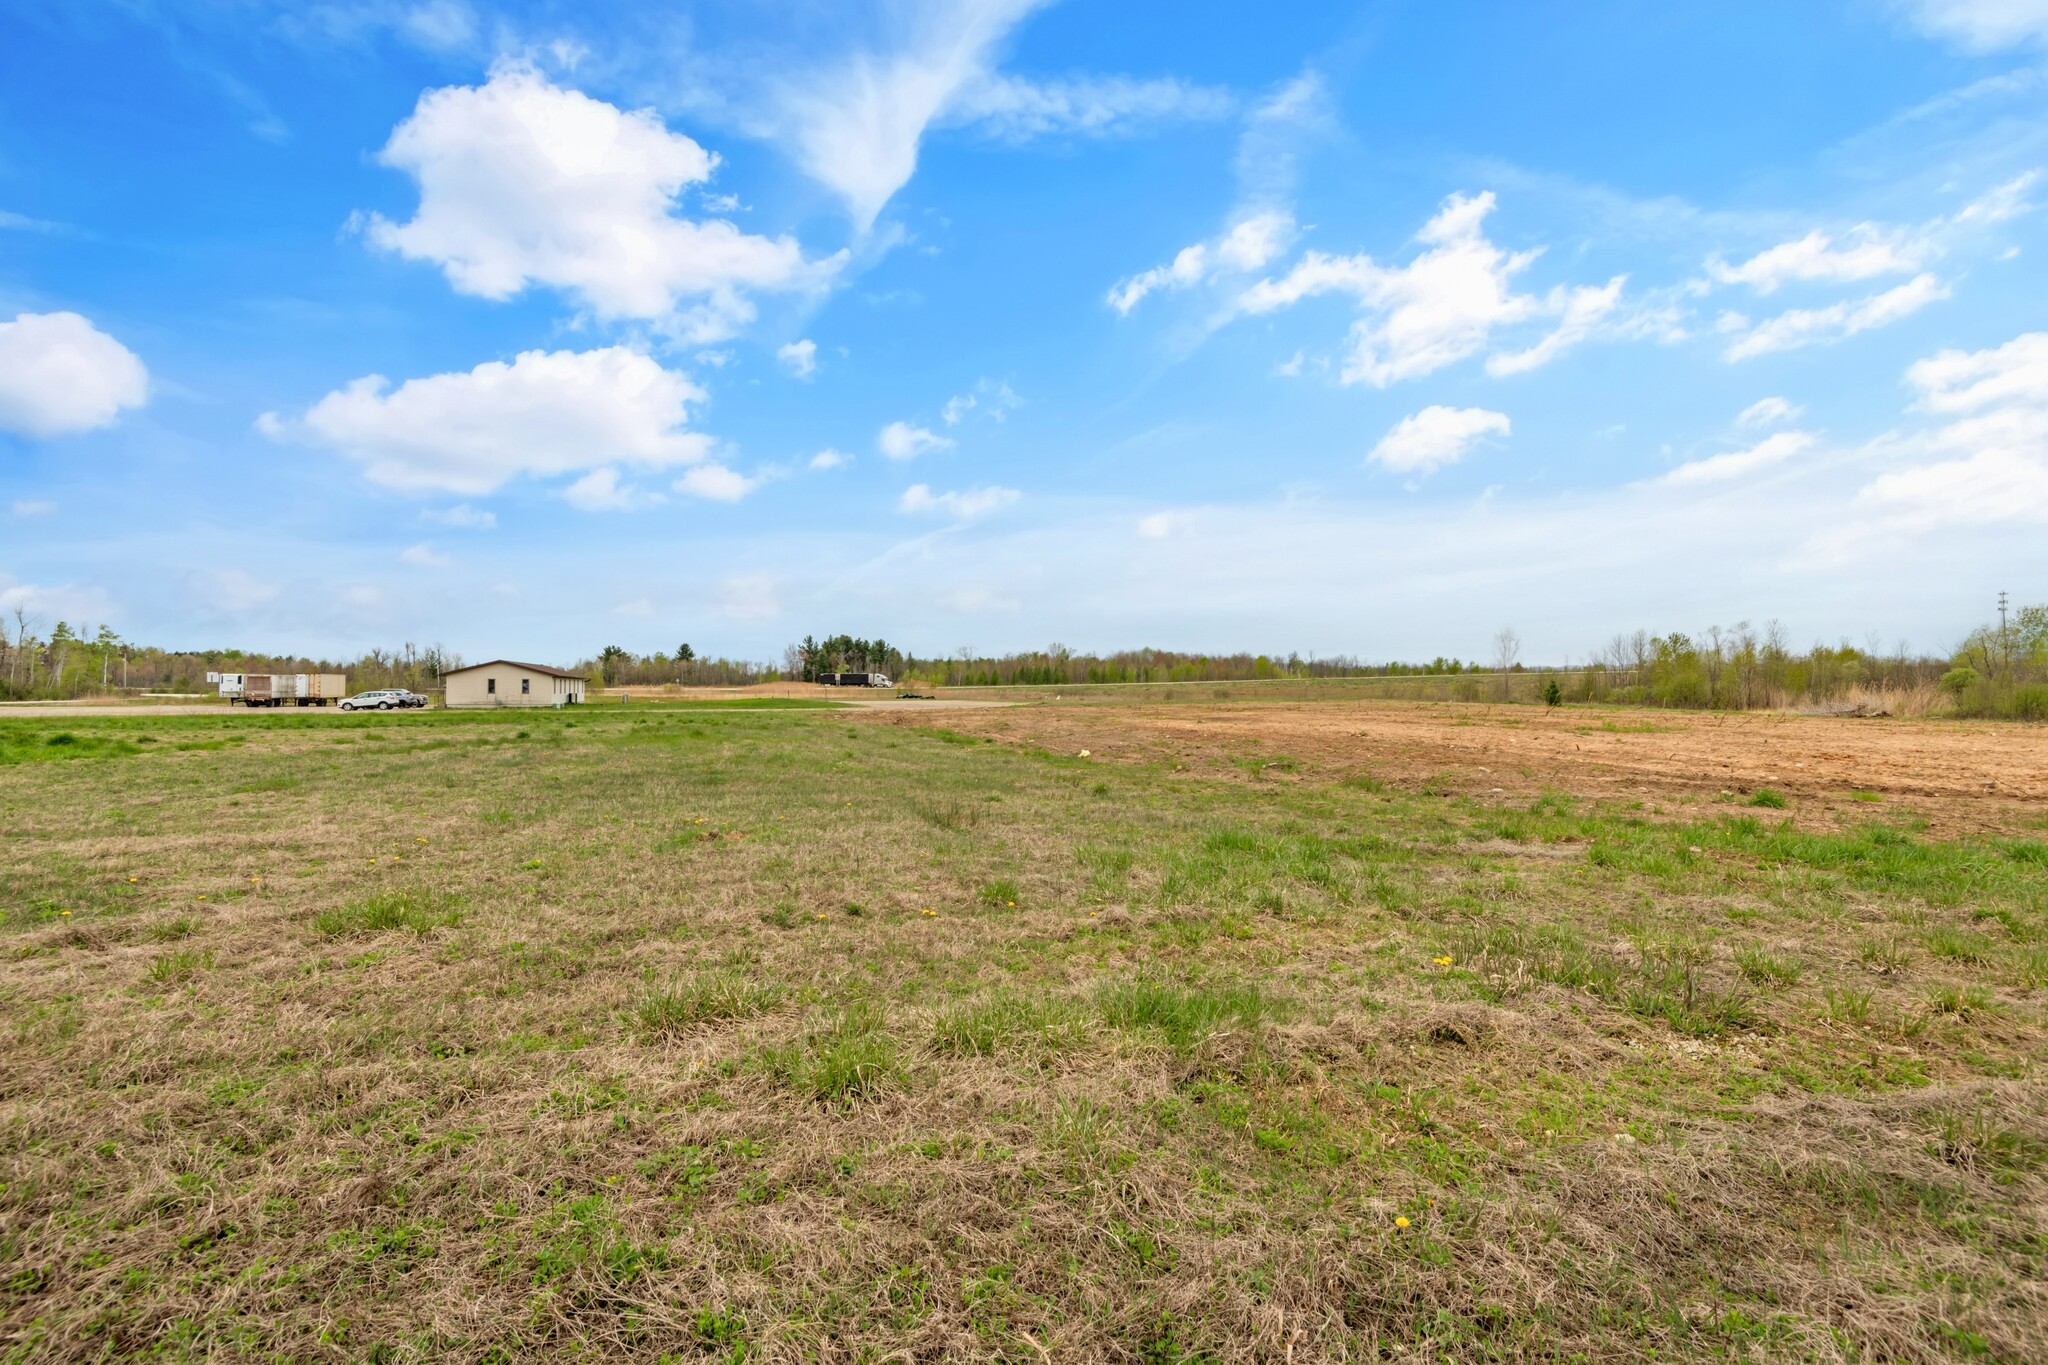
(1348, 328)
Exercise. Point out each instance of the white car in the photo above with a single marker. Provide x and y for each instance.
(384, 699)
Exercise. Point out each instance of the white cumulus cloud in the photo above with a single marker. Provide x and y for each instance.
(964, 505)
(1981, 25)
(1162, 525)
(546, 413)
(1767, 412)
(1772, 450)
(1799, 327)
(524, 182)
(902, 441)
(59, 375)
(828, 458)
(1997, 440)
(1580, 312)
(1868, 252)
(716, 483)
(422, 556)
(1441, 307)
(1247, 245)
(601, 491)
(993, 398)
(1434, 437)
(800, 357)
(463, 515)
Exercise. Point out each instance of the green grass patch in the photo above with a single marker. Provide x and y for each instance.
(392, 912)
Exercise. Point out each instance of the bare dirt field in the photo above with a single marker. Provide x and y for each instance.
(1959, 776)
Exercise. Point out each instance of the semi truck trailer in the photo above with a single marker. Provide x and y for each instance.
(281, 689)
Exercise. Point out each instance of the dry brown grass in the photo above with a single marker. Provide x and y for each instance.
(656, 1049)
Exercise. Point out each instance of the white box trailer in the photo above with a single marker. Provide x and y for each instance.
(281, 689)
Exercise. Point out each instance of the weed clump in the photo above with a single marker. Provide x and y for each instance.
(951, 813)
(1768, 969)
(704, 998)
(1009, 1021)
(1184, 1016)
(413, 912)
(845, 1058)
(177, 966)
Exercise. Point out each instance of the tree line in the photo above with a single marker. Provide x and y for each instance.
(2000, 668)
(616, 666)
(66, 662)
(1056, 664)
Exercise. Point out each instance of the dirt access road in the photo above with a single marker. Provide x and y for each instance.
(1960, 776)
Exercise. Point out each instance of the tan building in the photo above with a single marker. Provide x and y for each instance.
(501, 682)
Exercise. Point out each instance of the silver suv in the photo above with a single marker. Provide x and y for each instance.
(383, 699)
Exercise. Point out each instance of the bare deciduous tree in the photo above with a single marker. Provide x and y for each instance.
(1507, 652)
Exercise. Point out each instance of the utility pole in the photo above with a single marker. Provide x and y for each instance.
(2004, 645)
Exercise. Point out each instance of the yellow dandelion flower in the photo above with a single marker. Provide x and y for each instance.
(1441, 961)
(132, 880)
(418, 839)
(821, 915)
(66, 914)
(1401, 1222)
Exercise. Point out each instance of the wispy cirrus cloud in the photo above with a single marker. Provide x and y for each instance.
(857, 124)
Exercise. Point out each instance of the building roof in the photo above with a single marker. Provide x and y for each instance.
(514, 663)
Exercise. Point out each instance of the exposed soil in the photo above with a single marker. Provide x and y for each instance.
(1959, 776)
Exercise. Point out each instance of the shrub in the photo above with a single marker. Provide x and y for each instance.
(2029, 702)
(1553, 695)
(1957, 681)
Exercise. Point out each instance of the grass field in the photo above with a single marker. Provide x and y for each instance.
(778, 1034)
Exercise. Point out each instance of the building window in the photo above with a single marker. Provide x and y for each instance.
(491, 686)
(525, 686)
